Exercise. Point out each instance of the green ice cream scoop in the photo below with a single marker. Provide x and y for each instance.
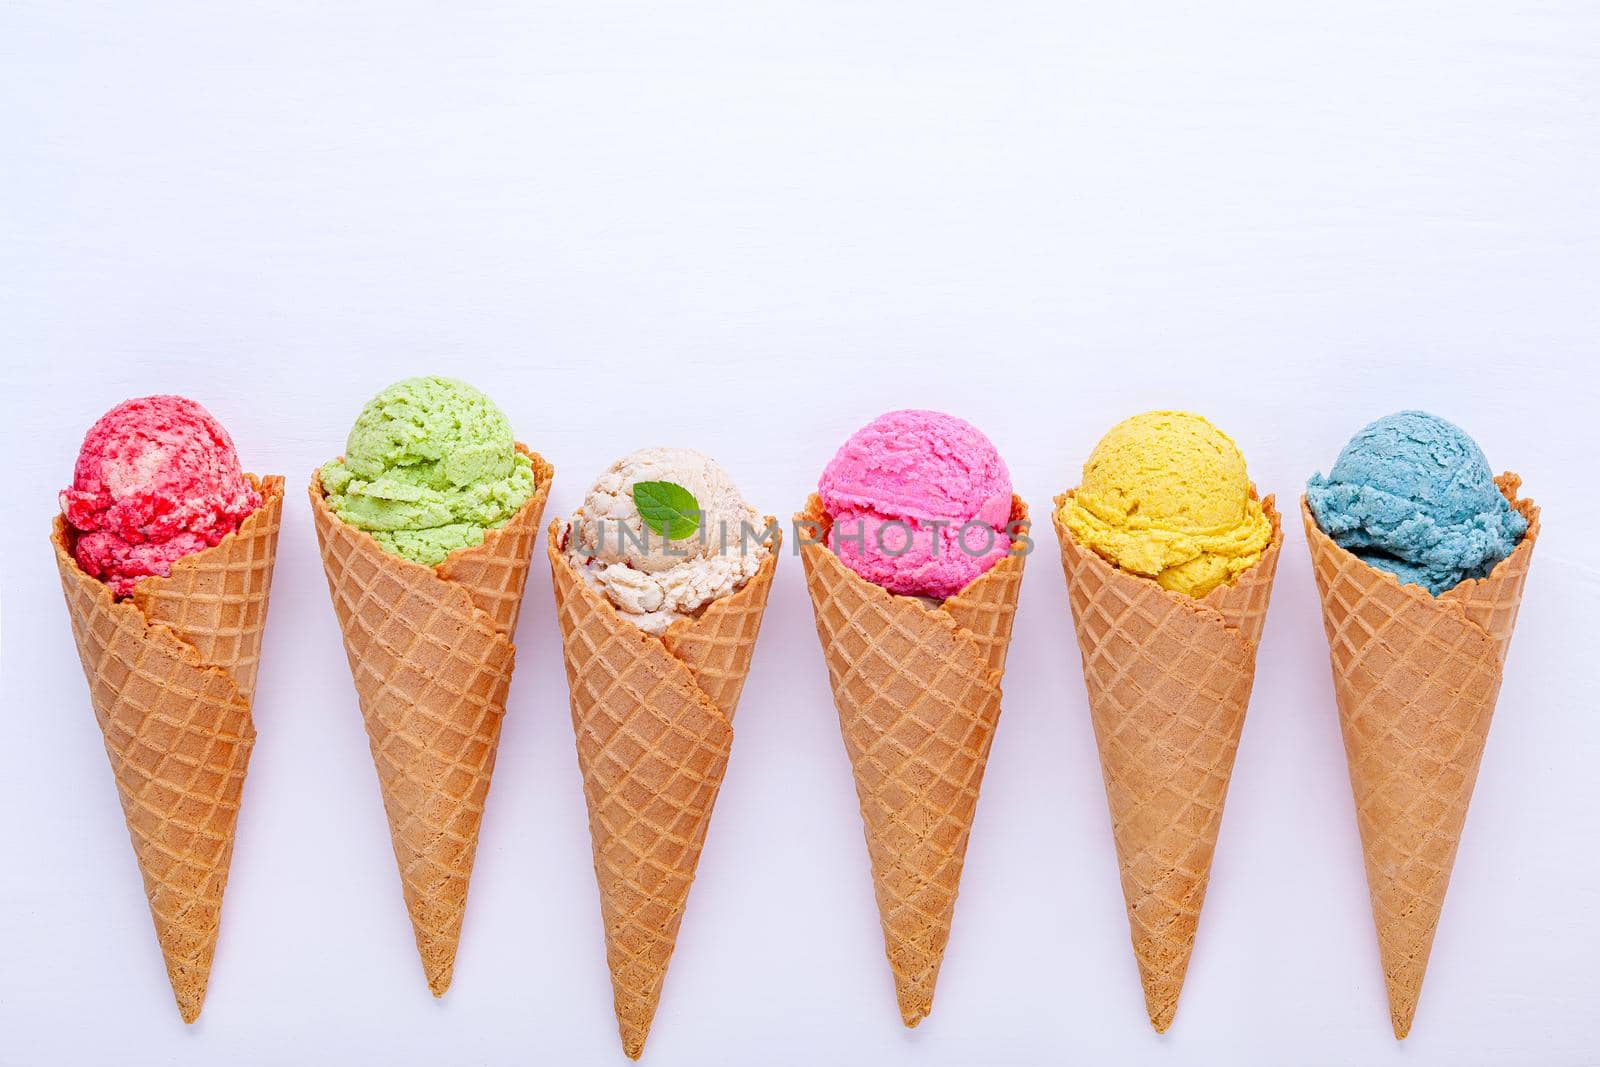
(430, 466)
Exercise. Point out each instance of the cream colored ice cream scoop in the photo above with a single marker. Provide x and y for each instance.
(663, 532)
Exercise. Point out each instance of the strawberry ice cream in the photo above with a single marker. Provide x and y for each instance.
(157, 478)
(920, 503)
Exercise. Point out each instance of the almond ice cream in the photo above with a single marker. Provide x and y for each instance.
(651, 578)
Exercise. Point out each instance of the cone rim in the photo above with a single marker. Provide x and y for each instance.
(555, 543)
(264, 483)
(1509, 484)
(539, 496)
(814, 516)
(1212, 602)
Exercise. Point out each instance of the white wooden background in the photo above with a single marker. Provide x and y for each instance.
(750, 227)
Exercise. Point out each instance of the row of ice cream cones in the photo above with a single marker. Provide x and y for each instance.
(917, 686)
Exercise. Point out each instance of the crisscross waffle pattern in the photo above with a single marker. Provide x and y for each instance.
(1416, 679)
(918, 694)
(218, 600)
(495, 572)
(1168, 679)
(717, 645)
(986, 609)
(432, 659)
(653, 722)
(171, 673)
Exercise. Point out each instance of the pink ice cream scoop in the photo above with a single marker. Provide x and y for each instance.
(157, 478)
(919, 501)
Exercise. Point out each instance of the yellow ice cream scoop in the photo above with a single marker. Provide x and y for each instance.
(1165, 495)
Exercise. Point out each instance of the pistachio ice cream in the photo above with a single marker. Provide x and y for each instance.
(430, 466)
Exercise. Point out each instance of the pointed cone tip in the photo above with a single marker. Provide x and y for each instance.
(438, 984)
(914, 1011)
(1403, 1005)
(1161, 1012)
(190, 1003)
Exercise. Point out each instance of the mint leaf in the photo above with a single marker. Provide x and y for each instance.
(667, 508)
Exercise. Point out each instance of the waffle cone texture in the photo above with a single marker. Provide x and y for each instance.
(431, 655)
(918, 694)
(1169, 679)
(1416, 678)
(653, 719)
(172, 672)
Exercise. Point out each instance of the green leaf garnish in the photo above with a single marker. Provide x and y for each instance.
(667, 508)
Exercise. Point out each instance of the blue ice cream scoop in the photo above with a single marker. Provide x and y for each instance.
(1413, 494)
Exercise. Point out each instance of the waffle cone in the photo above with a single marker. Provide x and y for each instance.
(1168, 679)
(1416, 678)
(653, 718)
(918, 694)
(431, 654)
(171, 675)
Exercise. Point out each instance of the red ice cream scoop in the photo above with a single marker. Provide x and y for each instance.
(157, 478)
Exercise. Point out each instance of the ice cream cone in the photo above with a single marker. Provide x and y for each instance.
(431, 654)
(171, 674)
(1416, 679)
(653, 717)
(1168, 679)
(918, 693)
